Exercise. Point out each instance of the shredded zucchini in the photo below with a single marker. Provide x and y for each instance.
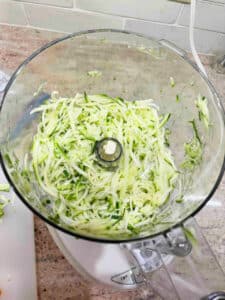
(172, 82)
(94, 73)
(3, 202)
(81, 193)
(190, 235)
(193, 150)
(177, 98)
(4, 187)
(203, 111)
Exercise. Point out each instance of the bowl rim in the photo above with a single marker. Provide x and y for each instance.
(91, 238)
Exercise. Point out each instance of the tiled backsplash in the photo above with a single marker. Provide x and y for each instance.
(157, 18)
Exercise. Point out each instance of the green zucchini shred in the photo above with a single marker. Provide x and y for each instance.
(193, 150)
(4, 187)
(177, 98)
(3, 203)
(82, 194)
(94, 73)
(190, 235)
(172, 82)
(203, 111)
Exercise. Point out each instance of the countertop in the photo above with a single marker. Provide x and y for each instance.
(57, 280)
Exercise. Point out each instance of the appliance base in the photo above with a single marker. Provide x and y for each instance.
(104, 263)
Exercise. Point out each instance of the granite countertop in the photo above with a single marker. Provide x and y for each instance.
(56, 278)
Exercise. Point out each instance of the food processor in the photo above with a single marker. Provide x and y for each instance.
(171, 259)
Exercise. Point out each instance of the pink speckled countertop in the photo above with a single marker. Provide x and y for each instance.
(57, 280)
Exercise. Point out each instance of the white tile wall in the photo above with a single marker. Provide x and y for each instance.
(13, 13)
(205, 40)
(65, 20)
(63, 3)
(155, 10)
(156, 18)
(210, 16)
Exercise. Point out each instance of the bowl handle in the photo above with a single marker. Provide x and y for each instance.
(178, 265)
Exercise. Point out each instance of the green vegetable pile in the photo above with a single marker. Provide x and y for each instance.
(194, 148)
(86, 196)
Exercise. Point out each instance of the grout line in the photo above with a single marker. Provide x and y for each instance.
(33, 27)
(179, 15)
(176, 25)
(25, 13)
(117, 15)
(74, 9)
(212, 2)
(46, 4)
(124, 23)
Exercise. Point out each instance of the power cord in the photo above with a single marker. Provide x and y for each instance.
(191, 38)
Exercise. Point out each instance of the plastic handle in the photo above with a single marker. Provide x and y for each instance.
(179, 265)
(157, 282)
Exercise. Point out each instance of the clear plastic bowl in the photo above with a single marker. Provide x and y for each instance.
(133, 67)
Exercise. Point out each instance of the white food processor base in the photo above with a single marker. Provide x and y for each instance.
(105, 263)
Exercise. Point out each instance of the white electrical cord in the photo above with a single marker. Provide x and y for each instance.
(191, 38)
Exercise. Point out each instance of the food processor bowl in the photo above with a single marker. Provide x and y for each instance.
(130, 66)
